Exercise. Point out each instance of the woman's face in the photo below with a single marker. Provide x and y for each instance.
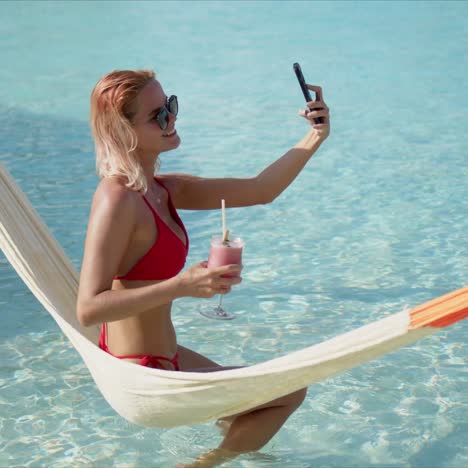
(151, 139)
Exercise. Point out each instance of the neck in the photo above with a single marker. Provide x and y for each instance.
(149, 168)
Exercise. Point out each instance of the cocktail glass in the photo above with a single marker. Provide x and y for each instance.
(223, 253)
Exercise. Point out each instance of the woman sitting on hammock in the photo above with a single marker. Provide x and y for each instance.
(136, 244)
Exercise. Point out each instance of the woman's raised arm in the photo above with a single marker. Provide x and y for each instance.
(198, 193)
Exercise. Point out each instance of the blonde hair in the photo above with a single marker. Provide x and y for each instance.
(112, 112)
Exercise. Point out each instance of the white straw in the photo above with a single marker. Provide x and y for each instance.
(223, 214)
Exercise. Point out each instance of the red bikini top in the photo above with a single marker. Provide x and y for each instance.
(167, 256)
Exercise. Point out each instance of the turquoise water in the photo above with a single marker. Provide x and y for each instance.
(376, 221)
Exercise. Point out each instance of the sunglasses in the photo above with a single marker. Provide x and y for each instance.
(162, 117)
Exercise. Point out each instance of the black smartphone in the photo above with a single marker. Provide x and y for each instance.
(304, 88)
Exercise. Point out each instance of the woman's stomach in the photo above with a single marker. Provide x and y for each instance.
(151, 332)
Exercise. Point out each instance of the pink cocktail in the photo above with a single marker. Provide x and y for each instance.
(223, 253)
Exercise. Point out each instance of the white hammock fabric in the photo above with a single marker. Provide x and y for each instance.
(159, 398)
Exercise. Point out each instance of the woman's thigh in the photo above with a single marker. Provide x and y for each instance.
(190, 361)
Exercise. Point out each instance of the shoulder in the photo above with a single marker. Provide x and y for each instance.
(112, 196)
(173, 182)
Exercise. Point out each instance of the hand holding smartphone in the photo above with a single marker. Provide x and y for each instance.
(305, 89)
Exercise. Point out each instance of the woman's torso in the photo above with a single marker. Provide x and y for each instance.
(159, 236)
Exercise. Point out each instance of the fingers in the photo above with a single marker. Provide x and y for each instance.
(220, 280)
(315, 109)
(226, 277)
(318, 90)
(223, 285)
(224, 290)
(316, 105)
(228, 270)
(227, 282)
(204, 281)
(318, 114)
(311, 115)
(318, 108)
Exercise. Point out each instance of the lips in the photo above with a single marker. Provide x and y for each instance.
(171, 133)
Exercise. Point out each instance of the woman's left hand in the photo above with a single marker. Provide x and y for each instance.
(318, 109)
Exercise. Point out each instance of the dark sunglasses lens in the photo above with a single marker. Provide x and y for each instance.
(162, 118)
(173, 105)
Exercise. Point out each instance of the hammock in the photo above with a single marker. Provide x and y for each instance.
(161, 398)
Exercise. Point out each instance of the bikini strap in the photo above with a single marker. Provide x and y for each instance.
(155, 361)
(149, 205)
(163, 186)
(173, 212)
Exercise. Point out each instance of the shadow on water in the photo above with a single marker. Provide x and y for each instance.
(52, 160)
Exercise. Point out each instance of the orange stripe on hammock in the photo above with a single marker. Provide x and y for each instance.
(442, 311)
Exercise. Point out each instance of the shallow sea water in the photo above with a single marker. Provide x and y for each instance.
(376, 221)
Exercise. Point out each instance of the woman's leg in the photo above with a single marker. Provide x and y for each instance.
(190, 361)
(249, 430)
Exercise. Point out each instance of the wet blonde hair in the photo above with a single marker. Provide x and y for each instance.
(112, 112)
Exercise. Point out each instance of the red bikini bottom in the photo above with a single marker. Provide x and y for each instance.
(146, 360)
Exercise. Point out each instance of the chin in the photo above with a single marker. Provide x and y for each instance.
(173, 144)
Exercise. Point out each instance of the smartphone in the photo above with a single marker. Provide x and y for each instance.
(305, 89)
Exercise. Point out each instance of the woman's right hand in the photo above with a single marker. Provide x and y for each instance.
(201, 281)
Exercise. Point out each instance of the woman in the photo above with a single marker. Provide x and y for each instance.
(136, 244)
